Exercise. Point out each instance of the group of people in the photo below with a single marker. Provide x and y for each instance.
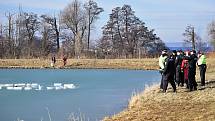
(178, 67)
(53, 61)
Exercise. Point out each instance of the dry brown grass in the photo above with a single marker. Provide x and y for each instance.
(83, 63)
(152, 105)
(182, 106)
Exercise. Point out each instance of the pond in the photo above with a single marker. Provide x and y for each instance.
(95, 93)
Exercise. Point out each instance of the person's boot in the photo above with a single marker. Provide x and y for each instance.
(164, 91)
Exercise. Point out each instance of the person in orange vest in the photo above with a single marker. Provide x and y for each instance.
(185, 68)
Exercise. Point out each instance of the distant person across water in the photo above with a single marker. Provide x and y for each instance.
(64, 60)
(53, 61)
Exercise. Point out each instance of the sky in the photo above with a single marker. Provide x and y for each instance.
(169, 18)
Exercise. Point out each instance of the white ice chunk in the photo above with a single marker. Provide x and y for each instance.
(20, 85)
(49, 88)
(59, 87)
(17, 88)
(8, 85)
(57, 84)
(69, 86)
(28, 88)
(9, 88)
(39, 87)
(34, 85)
(28, 85)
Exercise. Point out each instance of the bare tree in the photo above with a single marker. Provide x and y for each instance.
(54, 28)
(93, 11)
(73, 17)
(190, 36)
(31, 27)
(10, 30)
(211, 32)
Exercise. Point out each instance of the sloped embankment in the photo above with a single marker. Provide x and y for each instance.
(181, 106)
(152, 105)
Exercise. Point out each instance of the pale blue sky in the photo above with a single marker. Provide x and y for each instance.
(168, 17)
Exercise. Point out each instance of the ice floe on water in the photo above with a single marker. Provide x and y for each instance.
(36, 86)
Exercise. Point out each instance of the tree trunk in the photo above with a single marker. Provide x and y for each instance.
(88, 35)
(57, 34)
(78, 45)
(193, 39)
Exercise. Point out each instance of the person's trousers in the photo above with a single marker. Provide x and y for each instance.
(178, 75)
(168, 78)
(161, 84)
(202, 69)
(192, 80)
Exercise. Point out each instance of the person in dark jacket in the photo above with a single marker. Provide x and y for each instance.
(192, 60)
(174, 54)
(168, 73)
(178, 74)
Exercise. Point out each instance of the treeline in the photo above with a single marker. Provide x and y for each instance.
(29, 35)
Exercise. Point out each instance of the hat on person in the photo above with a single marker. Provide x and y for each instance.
(193, 51)
(187, 51)
(164, 51)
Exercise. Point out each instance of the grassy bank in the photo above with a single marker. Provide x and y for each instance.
(148, 64)
(152, 105)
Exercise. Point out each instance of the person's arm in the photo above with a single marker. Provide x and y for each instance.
(182, 65)
(161, 64)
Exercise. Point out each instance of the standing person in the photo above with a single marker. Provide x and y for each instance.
(185, 67)
(64, 60)
(202, 67)
(174, 54)
(53, 61)
(162, 60)
(178, 74)
(182, 72)
(168, 74)
(192, 60)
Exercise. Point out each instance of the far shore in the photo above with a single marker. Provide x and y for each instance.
(136, 64)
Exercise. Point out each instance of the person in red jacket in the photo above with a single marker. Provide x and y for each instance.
(185, 67)
(64, 60)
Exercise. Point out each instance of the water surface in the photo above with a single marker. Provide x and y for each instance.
(98, 93)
